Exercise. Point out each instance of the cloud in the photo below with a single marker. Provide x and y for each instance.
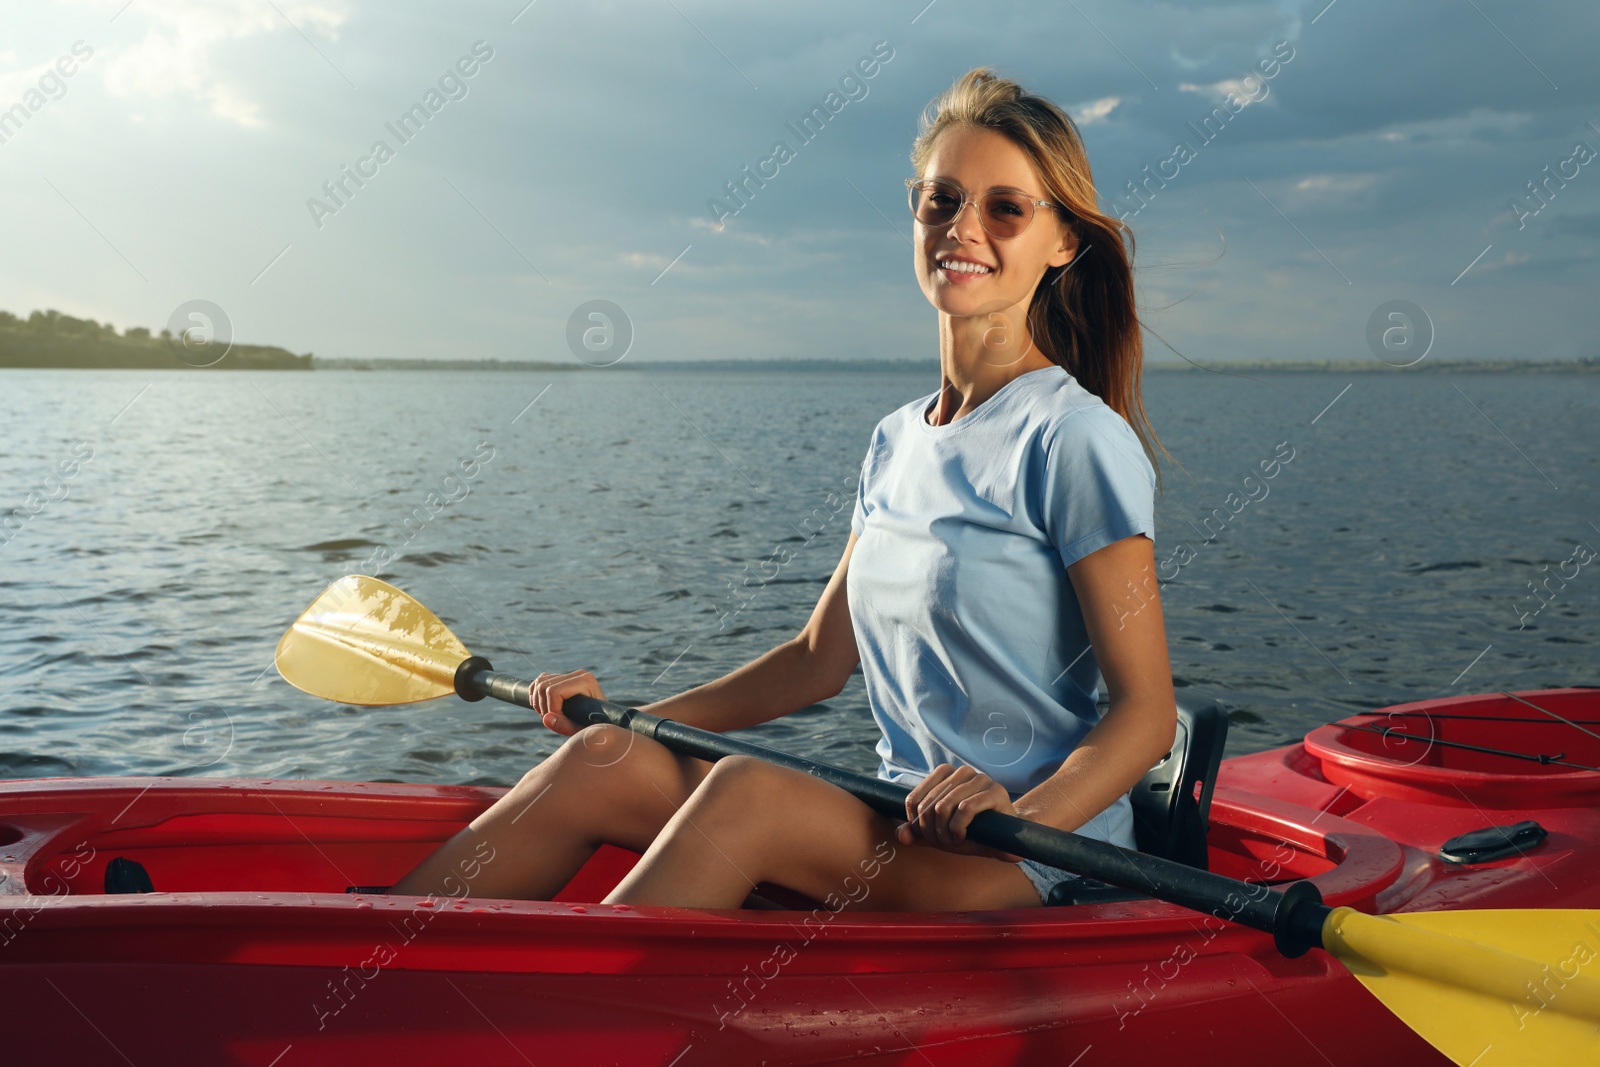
(13, 83)
(1334, 188)
(1185, 63)
(1475, 125)
(1094, 111)
(643, 259)
(177, 54)
(226, 104)
(1251, 89)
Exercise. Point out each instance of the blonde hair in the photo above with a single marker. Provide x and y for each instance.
(1083, 316)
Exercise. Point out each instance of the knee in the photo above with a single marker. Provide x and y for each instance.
(593, 748)
(600, 741)
(598, 747)
(733, 770)
(739, 783)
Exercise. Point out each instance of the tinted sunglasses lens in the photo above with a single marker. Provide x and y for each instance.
(934, 204)
(1006, 214)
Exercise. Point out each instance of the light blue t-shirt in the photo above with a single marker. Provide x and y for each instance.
(972, 643)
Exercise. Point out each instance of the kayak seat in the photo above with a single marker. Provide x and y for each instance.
(1171, 803)
(127, 876)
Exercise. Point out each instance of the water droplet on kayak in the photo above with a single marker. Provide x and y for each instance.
(363, 906)
(580, 910)
(424, 903)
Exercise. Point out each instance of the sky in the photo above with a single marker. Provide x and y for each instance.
(1391, 156)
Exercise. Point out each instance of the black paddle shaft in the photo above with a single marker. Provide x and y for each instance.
(1293, 916)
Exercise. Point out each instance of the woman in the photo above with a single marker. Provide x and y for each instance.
(1000, 554)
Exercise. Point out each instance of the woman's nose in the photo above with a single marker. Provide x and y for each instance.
(974, 224)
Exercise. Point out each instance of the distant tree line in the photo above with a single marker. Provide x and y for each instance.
(51, 339)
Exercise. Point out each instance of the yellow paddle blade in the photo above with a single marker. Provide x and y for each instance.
(1486, 988)
(365, 642)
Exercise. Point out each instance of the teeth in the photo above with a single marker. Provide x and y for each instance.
(962, 266)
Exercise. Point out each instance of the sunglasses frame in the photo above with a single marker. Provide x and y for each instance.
(913, 185)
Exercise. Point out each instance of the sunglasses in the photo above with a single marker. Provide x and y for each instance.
(1004, 213)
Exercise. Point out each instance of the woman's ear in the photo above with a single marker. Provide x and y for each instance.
(1069, 247)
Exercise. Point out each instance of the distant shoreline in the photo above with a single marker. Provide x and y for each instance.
(113, 356)
(49, 340)
(865, 366)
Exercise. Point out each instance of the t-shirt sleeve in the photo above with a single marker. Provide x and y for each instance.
(1099, 486)
(858, 517)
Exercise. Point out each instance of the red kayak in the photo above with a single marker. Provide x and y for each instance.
(251, 950)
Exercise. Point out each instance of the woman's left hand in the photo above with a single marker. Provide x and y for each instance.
(942, 806)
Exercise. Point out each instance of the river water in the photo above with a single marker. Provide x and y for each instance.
(179, 522)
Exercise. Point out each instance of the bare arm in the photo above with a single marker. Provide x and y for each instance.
(813, 665)
(1116, 590)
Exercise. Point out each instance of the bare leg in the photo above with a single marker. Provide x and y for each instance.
(603, 785)
(750, 822)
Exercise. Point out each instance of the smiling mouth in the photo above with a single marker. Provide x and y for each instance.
(962, 268)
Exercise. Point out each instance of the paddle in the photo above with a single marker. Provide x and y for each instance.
(1484, 987)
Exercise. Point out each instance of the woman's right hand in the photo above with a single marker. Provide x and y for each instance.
(549, 691)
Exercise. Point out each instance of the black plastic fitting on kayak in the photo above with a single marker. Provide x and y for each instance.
(1493, 843)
